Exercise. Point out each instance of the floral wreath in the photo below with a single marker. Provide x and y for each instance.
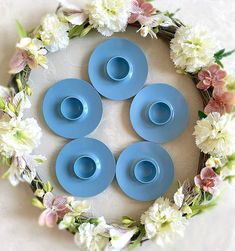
(193, 52)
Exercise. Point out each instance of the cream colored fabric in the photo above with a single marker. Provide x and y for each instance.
(18, 228)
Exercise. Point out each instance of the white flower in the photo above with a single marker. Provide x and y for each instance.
(91, 237)
(192, 49)
(18, 172)
(120, 237)
(215, 135)
(5, 92)
(109, 16)
(35, 49)
(179, 197)
(71, 13)
(163, 222)
(214, 162)
(19, 137)
(54, 33)
(77, 208)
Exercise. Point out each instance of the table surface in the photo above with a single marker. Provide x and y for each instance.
(213, 230)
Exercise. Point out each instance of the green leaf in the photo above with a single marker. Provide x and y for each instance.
(47, 187)
(6, 175)
(28, 90)
(18, 107)
(2, 103)
(229, 53)
(219, 53)
(37, 203)
(75, 31)
(127, 221)
(86, 31)
(138, 240)
(20, 30)
(11, 107)
(201, 115)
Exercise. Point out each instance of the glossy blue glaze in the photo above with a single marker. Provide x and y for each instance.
(144, 171)
(118, 69)
(72, 108)
(159, 113)
(85, 167)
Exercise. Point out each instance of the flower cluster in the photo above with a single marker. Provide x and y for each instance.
(193, 51)
(163, 221)
(18, 137)
(192, 48)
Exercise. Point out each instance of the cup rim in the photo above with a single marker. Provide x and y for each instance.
(154, 165)
(127, 75)
(83, 105)
(96, 167)
(150, 107)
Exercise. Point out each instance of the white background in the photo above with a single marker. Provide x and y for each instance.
(214, 230)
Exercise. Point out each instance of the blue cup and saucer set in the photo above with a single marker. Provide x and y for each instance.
(72, 108)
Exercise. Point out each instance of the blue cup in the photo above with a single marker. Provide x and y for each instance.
(160, 113)
(86, 167)
(146, 171)
(73, 108)
(119, 68)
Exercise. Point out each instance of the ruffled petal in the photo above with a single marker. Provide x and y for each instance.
(51, 218)
(198, 182)
(147, 9)
(213, 69)
(207, 173)
(48, 200)
(42, 217)
(18, 62)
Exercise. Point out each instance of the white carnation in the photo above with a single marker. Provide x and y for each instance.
(91, 237)
(19, 137)
(54, 33)
(109, 16)
(215, 135)
(192, 49)
(163, 222)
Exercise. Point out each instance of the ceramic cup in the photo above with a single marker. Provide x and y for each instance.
(119, 68)
(73, 108)
(160, 113)
(146, 171)
(86, 167)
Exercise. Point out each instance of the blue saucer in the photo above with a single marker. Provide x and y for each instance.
(72, 108)
(118, 69)
(145, 171)
(85, 167)
(159, 113)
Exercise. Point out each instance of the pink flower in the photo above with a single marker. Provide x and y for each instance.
(56, 207)
(220, 102)
(207, 180)
(140, 11)
(212, 76)
(19, 60)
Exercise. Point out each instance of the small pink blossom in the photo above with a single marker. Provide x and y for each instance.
(207, 180)
(20, 59)
(212, 76)
(56, 207)
(221, 102)
(140, 11)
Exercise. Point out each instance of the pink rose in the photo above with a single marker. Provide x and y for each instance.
(56, 207)
(220, 102)
(140, 11)
(212, 76)
(207, 180)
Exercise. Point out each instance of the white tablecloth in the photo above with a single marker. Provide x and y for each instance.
(213, 230)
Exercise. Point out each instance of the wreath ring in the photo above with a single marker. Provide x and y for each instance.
(192, 52)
